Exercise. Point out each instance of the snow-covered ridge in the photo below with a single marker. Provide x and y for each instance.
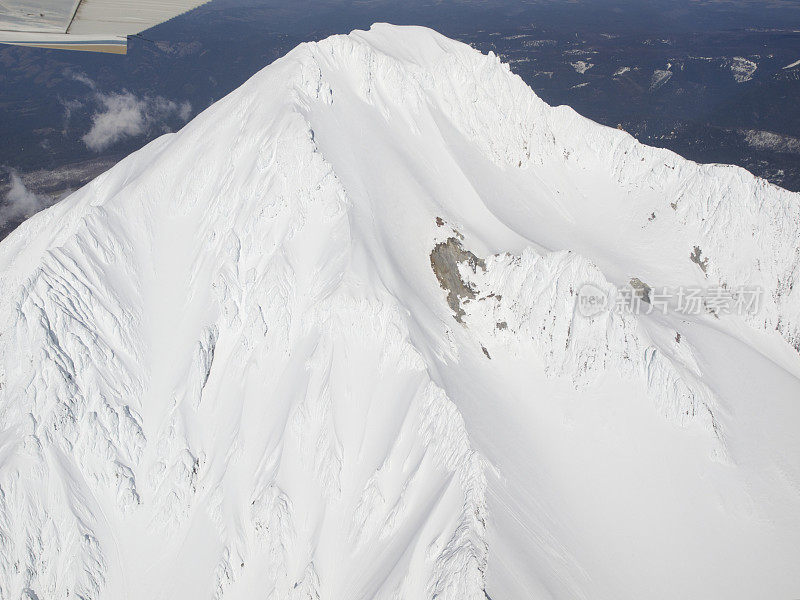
(228, 366)
(720, 206)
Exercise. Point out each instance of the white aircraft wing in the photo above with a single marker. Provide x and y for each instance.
(92, 25)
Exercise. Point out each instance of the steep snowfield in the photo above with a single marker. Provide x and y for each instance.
(229, 368)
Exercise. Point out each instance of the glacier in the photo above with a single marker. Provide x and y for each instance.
(323, 343)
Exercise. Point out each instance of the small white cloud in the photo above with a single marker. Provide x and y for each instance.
(82, 78)
(121, 115)
(20, 202)
(70, 106)
(125, 115)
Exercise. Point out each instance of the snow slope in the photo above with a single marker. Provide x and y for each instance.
(229, 369)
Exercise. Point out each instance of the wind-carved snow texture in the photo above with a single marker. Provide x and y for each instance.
(533, 296)
(323, 344)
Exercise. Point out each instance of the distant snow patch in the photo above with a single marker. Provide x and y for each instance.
(621, 71)
(659, 79)
(793, 65)
(581, 66)
(767, 140)
(743, 69)
(179, 49)
(539, 43)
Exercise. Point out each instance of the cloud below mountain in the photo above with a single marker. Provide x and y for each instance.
(20, 203)
(124, 115)
(121, 115)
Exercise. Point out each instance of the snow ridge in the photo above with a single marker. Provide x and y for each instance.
(534, 297)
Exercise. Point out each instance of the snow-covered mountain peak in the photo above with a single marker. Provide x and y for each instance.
(327, 342)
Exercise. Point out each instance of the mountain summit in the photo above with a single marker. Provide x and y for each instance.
(353, 334)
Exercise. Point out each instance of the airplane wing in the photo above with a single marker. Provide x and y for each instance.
(89, 25)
